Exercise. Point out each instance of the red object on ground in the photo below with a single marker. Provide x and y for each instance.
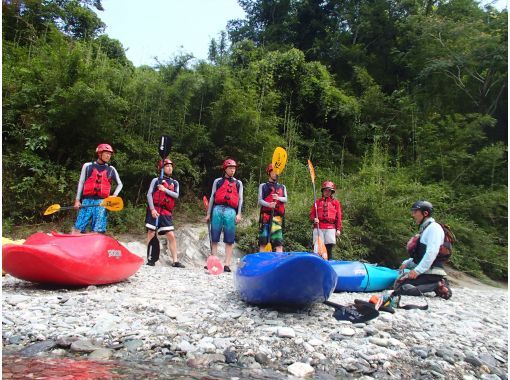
(76, 260)
(214, 265)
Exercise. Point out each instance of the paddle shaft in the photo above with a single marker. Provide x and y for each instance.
(159, 182)
(82, 206)
(210, 239)
(316, 213)
(153, 248)
(278, 161)
(272, 212)
(112, 203)
(206, 206)
(335, 305)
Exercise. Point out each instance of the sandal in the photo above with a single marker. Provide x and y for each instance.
(443, 290)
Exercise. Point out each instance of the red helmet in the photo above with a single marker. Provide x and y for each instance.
(269, 168)
(164, 162)
(104, 148)
(328, 185)
(229, 162)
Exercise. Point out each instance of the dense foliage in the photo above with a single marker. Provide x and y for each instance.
(393, 100)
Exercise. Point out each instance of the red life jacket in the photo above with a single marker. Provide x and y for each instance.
(267, 194)
(98, 183)
(227, 193)
(326, 210)
(164, 203)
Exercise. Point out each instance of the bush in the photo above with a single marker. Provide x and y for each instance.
(130, 219)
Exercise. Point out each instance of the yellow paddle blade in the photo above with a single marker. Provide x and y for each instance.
(52, 209)
(113, 203)
(312, 170)
(279, 159)
(268, 248)
(10, 241)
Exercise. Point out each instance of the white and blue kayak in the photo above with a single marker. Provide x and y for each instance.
(355, 276)
(288, 279)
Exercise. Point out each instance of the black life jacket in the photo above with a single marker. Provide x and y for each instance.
(417, 249)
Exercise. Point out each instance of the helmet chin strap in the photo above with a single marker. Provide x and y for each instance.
(424, 223)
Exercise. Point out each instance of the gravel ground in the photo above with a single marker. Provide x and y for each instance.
(188, 318)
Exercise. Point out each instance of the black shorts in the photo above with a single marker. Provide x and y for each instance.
(164, 223)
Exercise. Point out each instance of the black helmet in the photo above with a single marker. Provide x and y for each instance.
(423, 206)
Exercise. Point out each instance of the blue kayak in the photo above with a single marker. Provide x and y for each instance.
(355, 276)
(290, 279)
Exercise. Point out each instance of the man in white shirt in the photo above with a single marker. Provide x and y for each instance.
(426, 264)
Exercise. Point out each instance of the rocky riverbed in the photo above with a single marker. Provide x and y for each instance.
(188, 319)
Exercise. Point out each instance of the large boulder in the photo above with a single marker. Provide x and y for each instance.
(192, 247)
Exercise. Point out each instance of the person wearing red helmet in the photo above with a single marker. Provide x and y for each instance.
(95, 185)
(329, 218)
(224, 210)
(161, 199)
(272, 198)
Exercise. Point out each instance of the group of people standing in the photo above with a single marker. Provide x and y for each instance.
(225, 212)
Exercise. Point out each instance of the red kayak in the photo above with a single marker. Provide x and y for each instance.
(78, 260)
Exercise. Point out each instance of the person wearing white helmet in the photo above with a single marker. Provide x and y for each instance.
(94, 185)
(224, 210)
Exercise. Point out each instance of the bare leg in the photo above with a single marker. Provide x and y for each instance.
(214, 248)
(74, 231)
(279, 249)
(172, 245)
(229, 248)
(150, 235)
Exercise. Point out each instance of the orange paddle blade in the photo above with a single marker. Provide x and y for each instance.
(206, 202)
(321, 249)
(312, 170)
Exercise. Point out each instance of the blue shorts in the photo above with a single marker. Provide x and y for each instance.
(164, 223)
(98, 216)
(223, 218)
